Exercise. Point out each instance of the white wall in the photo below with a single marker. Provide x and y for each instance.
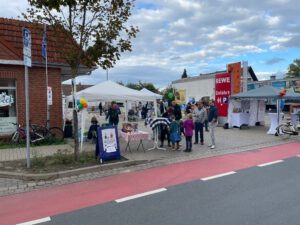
(197, 88)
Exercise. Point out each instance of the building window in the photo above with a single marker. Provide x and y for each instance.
(8, 114)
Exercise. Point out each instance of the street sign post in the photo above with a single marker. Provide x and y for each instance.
(27, 63)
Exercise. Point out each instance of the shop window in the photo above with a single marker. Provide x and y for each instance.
(8, 114)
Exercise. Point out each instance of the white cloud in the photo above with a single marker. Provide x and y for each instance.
(202, 36)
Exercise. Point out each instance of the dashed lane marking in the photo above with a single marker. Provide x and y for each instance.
(42, 220)
(270, 163)
(217, 176)
(140, 195)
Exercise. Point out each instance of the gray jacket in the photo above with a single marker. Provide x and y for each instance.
(199, 115)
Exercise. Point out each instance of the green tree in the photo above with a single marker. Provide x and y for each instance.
(184, 74)
(98, 29)
(120, 82)
(134, 86)
(150, 87)
(294, 69)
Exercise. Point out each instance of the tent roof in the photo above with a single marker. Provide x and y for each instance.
(146, 91)
(108, 91)
(266, 92)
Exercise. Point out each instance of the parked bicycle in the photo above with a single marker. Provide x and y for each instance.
(38, 134)
(286, 129)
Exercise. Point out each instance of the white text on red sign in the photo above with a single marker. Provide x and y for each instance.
(223, 80)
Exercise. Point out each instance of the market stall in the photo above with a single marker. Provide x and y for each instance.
(252, 102)
(110, 91)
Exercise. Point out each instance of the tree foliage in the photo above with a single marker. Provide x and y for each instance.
(99, 28)
(90, 31)
(140, 85)
(294, 68)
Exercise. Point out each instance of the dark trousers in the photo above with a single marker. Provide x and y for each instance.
(198, 129)
(188, 141)
(206, 125)
(164, 132)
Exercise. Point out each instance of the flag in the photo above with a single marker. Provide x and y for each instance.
(44, 45)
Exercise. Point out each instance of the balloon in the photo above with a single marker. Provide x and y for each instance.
(82, 101)
(80, 106)
(170, 95)
(85, 105)
(77, 102)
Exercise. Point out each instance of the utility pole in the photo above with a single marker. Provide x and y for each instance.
(27, 63)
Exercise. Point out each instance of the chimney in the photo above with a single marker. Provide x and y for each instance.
(273, 77)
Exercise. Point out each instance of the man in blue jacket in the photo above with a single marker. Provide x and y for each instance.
(213, 122)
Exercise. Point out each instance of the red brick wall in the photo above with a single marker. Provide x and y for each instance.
(37, 93)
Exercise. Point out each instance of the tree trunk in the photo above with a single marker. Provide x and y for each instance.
(76, 139)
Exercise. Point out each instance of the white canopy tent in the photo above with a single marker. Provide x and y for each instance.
(146, 91)
(111, 91)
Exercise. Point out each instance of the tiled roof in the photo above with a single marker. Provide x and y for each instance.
(11, 38)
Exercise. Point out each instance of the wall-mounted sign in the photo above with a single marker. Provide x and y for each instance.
(223, 91)
(49, 96)
(6, 100)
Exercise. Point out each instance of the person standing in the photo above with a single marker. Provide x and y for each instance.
(188, 127)
(206, 107)
(212, 122)
(100, 108)
(175, 134)
(165, 129)
(113, 114)
(200, 115)
(176, 111)
(161, 107)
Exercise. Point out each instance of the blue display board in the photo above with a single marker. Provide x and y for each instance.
(107, 146)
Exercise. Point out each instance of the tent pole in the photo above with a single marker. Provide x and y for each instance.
(126, 112)
(278, 112)
(155, 108)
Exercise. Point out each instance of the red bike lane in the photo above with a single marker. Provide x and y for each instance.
(55, 200)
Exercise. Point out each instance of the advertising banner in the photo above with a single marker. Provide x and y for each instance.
(180, 96)
(108, 143)
(236, 71)
(223, 91)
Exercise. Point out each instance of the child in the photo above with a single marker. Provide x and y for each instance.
(175, 136)
(188, 127)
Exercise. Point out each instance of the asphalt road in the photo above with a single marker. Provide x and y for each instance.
(268, 195)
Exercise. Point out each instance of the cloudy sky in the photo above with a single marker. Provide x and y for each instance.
(201, 36)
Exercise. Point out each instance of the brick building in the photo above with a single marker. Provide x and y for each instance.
(12, 78)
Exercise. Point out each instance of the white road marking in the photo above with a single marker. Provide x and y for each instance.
(219, 175)
(140, 195)
(42, 220)
(270, 163)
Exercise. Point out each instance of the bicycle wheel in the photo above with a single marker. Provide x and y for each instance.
(56, 134)
(15, 138)
(283, 131)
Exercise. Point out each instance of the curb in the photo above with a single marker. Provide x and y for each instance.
(68, 173)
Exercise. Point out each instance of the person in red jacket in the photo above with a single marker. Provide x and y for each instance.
(188, 127)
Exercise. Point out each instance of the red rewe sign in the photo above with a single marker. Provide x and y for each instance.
(223, 91)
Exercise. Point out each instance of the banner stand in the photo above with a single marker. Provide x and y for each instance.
(107, 146)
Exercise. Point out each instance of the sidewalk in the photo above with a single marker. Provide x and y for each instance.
(228, 141)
